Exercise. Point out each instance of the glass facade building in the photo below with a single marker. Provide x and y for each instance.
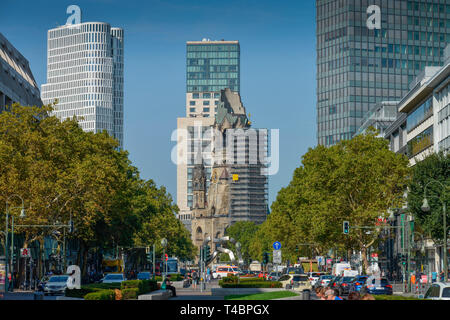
(212, 66)
(85, 74)
(359, 65)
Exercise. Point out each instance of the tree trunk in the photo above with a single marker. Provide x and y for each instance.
(365, 260)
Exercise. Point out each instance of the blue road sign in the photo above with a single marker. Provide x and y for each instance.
(277, 245)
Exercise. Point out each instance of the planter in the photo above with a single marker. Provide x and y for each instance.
(232, 291)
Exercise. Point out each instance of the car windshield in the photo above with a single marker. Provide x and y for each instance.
(315, 275)
(326, 277)
(114, 277)
(300, 278)
(347, 279)
(446, 292)
(58, 279)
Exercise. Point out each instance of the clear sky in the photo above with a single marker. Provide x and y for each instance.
(278, 59)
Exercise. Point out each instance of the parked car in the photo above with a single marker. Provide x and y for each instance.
(144, 275)
(357, 283)
(323, 281)
(343, 285)
(375, 285)
(113, 278)
(438, 291)
(56, 284)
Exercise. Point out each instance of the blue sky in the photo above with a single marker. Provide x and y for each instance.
(277, 67)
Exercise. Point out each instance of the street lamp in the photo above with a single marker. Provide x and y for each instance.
(22, 215)
(426, 208)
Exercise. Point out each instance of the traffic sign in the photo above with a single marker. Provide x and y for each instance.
(277, 245)
(276, 256)
(25, 253)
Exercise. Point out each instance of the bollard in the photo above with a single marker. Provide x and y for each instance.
(306, 295)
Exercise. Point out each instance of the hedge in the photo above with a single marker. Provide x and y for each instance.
(101, 295)
(251, 284)
(130, 293)
(173, 277)
(90, 288)
(143, 286)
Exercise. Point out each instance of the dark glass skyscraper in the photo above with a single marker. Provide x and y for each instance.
(369, 51)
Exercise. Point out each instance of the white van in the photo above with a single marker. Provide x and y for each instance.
(339, 268)
(223, 271)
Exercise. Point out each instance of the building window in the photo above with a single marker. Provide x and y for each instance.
(191, 109)
(207, 96)
(206, 103)
(205, 109)
(216, 95)
(195, 96)
(192, 103)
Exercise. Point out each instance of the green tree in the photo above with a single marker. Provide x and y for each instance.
(433, 167)
(356, 180)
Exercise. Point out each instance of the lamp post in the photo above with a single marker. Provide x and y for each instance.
(22, 214)
(426, 208)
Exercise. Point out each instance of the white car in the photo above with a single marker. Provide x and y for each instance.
(223, 271)
(56, 284)
(438, 291)
(113, 278)
(313, 277)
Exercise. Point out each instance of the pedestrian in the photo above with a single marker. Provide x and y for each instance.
(333, 294)
(208, 275)
(169, 286)
(354, 296)
(194, 279)
(367, 296)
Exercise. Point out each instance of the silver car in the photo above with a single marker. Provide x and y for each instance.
(56, 284)
(438, 291)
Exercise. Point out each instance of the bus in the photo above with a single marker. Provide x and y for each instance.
(173, 267)
(113, 266)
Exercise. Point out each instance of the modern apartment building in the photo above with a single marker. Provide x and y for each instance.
(17, 83)
(369, 52)
(85, 75)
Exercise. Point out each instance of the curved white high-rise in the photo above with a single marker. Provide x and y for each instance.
(85, 75)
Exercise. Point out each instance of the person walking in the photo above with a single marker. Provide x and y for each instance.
(333, 294)
(194, 279)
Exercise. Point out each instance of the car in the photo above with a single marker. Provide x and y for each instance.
(438, 291)
(144, 275)
(343, 285)
(333, 282)
(299, 282)
(323, 281)
(375, 285)
(357, 283)
(294, 270)
(313, 277)
(42, 282)
(273, 276)
(223, 271)
(56, 284)
(113, 278)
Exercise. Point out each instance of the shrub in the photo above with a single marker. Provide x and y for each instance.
(143, 286)
(101, 295)
(231, 279)
(251, 284)
(130, 293)
(89, 288)
(173, 277)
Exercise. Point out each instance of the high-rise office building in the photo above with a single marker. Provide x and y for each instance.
(210, 67)
(17, 83)
(85, 75)
(369, 52)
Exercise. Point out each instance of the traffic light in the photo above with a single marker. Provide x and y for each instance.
(346, 227)
(149, 256)
(71, 228)
(265, 258)
(206, 252)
